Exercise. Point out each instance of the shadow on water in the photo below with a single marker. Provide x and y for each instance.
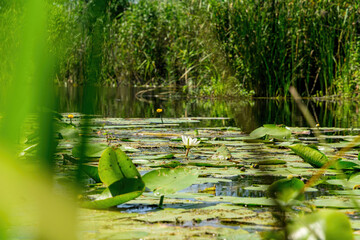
(248, 114)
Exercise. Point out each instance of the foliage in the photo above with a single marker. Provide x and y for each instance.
(121, 177)
(276, 44)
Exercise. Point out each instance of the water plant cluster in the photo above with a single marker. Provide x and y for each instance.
(148, 176)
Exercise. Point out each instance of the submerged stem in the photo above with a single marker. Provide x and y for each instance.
(161, 201)
(187, 152)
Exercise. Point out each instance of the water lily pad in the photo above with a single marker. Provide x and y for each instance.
(167, 181)
(222, 153)
(115, 165)
(272, 131)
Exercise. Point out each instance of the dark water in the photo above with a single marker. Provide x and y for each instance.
(248, 114)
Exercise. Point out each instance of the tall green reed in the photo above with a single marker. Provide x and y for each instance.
(27, 102)
(281, 43)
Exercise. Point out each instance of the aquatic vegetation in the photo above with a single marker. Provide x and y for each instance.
(121, 177)
(189, 143)
(167, 181)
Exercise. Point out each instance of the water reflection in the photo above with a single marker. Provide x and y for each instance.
(248, 114)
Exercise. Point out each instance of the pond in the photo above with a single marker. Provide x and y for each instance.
(247, 114)
(230, 198)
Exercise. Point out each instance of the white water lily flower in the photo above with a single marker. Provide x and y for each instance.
(189, 142)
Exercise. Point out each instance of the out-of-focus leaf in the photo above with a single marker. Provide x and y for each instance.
(222, 153)
(286, 189)
(310, 155)
(91, 150)
(325, 224)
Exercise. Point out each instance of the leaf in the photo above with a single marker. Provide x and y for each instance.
(92, 172)
(271, 130)
(310, 155)
(124, 181)
(286, 189)
(325, 224)
(111, 201)
(167, 181)
(91, 150)
(158, 157)
(271, 162)
(346, 164)
(115, 165)
(222, 153)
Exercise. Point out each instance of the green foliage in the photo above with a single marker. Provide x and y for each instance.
(310, 155)
(271, 131)
(168, 181)
(114, 165)
(325, 224)
(275, 44)
(286, 189)
(124, 182)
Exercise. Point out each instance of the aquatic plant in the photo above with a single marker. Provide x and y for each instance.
(189, 142)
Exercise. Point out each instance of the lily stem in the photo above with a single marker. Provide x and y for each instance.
(161, 203)
(187, 152)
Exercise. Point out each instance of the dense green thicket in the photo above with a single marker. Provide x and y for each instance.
(209, 47)
(312, 45)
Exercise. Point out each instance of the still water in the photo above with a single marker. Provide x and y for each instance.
(248, 114)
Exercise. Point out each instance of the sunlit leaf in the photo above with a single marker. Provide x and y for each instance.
(115, 165)
(272, 131)
(310, 155)
(167, 181)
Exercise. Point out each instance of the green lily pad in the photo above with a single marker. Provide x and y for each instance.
(222, 153)
(105, 203)
(158, 157)
(166, 180)
(115, 165)
(272, 131)
(92, 150)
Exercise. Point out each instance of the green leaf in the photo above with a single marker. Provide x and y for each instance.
(158, 157)
(346, 164)
(167, 181)
(111, 201)
(91, 150)
(271, 130)
(310, 155)
(222, 153)
(115, 165)
(286, 189)
(325, 224)
(92, 172)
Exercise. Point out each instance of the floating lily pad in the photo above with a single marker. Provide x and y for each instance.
(272, 131)
(222, 153)
(167, 181)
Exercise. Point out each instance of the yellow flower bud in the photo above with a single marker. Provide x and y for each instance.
(159, 110)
